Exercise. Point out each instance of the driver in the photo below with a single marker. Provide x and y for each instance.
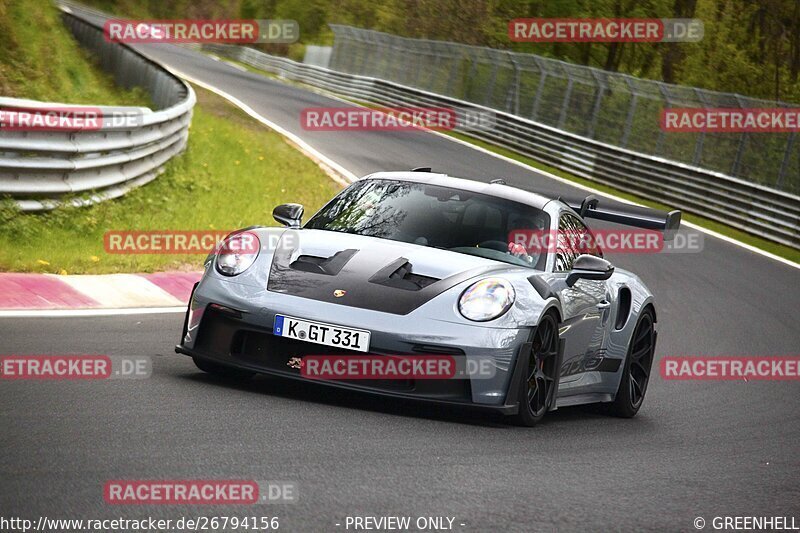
(524, 224)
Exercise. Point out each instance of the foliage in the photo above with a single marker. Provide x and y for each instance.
(40, 60)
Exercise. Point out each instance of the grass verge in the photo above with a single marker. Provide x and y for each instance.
(232, 175)
(40, 60)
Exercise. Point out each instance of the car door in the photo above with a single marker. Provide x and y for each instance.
(585, 305)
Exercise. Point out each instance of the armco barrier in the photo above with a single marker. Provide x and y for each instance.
(608, 107)
(753, 208)
(38, 168)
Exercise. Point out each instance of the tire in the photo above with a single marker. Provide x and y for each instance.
(636, 373)
(538, 387)
(222, 371)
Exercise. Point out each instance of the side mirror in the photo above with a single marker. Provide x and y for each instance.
(589, 267)
(288, 214)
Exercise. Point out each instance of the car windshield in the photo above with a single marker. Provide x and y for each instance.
(436, 216)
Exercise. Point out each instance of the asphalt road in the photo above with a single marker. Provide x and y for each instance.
(696, 449)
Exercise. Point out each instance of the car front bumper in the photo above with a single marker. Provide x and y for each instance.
(232, 325)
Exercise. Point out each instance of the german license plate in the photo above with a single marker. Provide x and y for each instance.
(321, 333)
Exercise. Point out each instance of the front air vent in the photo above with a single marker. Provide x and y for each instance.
(398, 274)
(327, 266)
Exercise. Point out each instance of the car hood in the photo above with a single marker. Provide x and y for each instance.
(368, 272)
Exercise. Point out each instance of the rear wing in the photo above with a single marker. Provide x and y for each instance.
(629, 215)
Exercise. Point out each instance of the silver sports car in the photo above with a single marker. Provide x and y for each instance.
(421, 264)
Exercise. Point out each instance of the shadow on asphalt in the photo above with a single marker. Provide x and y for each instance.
(310, 392)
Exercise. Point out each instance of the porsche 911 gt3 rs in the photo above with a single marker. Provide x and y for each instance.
(422, 264)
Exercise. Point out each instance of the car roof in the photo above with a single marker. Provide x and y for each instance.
(491, 189)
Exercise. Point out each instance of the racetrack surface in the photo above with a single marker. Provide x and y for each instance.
(695, 449)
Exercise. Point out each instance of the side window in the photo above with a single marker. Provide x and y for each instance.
(573, 239)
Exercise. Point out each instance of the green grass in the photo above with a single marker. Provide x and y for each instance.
(232, 175)
(40, 60)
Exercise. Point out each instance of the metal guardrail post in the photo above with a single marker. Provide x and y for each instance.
(600, 91)
(626, 132)
(785, 161)
(737, 160)
(661, 133)
(512, 97)
(562, 116)
(698, 147)
(487, 96)
(539, 90)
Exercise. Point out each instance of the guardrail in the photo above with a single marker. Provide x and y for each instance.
(41, 169)
(750, 207)
(609, 107)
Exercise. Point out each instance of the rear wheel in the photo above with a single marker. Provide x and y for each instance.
(538, 389)
(636, 374)
(223, 371)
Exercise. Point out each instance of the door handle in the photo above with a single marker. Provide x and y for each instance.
(603, 307)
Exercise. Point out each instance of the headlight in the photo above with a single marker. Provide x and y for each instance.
(237, 252)
(486, 300)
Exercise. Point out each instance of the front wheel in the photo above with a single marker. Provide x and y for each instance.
(636, 374)
(222, 371)
(537, 391)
